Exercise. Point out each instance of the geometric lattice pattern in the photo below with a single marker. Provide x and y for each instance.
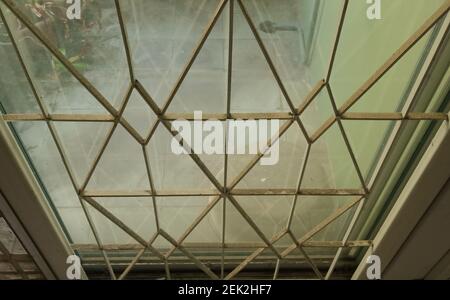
(229, 207)
(15, 262)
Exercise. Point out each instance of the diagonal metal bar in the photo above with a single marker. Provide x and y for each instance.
(49, 45)
(252, 224)
(241, 266)
(311, 96)
(347, 142)
(132, 264)
(195, 157)
(69, 66)
(402, 50)
(283, 129)
(44, 112)
(274, 71)
(175, 134)
(254, 255)
(115, 220)
(199, 7)
(345, 239)
(57, 142)
(336, 41)
(299, 184)
(195, 54)
(261, 12)
(194, 224)
(333, 102)
(322, 129)
(307, 258)
(152, 187)
(137, 258)
(277, 269)
(197, 262)
(126, 43)
(106, 142)
(321, 226)
(41, 105)
(188, 66)
(122, 226)
(311, 263)
(98, 240)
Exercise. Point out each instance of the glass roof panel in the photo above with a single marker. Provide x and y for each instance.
(284, 173)
(395, 84)
(136, 213)
(367, 140)
(84, 44)
(210, 228)
(177, 213)
(17, 96)
(120, 162)
(309, 211)
(366, 44)
(210, 69)
(171, 171)
(317, 113)
(270, 213)
(289, 29)
(330, 165)
(254, 87)
(122, 165)
(237, 229)
(58, 88)
(81, 142)
(162, 37)
(139, 114)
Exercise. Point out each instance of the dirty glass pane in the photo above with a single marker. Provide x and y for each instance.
(226, 201)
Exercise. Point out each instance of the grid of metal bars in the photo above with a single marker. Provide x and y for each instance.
(226, 190)
(16, 261)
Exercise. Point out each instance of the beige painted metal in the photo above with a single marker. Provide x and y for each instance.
(226, 190)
